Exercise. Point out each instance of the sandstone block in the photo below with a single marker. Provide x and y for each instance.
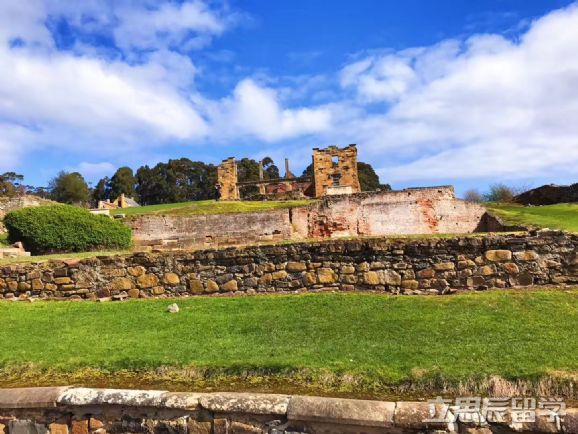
(79, 426)
(50, 287)
(371, 278)
(488, 270)
(158, 290)
(498, 255)
(391, 277)
(147, 280)
(510, 268)
(62, 280)
(294, 267)
(326, 275)
(526, 255)
(58, 428)
(410, 284)
(171, 279)
(136, 271)
(347, 269)
(309, 279)
(133, 293)
(444, 266)
(95, 424)
(196, 427)
(349, 279)
(243, 428)
(426, 273)
(212, 286)
(279, 275)
(37, 284)
(266, 279)
(341, 411)
(121, 284)
(23, 286)
(231, 285)
(196, 286)
(252, 403)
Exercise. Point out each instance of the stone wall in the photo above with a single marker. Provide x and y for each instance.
(411, 211)
(64, 410)
(211, 230)
(398, 266)
(335, 170)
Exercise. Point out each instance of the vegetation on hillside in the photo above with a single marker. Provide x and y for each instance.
(363, 343)
(561, 216)
(65, 228)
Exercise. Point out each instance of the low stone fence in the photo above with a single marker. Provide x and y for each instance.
(63, 410)
(400, 266)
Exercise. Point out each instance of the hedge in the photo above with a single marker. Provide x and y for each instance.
(65, 228)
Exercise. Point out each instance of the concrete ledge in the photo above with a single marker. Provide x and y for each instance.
(341, 411)
(133, 398)
(31, 397)
(253, 403)
(413, 416)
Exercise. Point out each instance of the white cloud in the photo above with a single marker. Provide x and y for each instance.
(487, 107)
(95, 170)
(256, 111)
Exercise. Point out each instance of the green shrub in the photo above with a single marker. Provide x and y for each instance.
(65, 228)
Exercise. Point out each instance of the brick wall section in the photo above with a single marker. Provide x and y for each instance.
(412, 211)
(211, 230)
(64, 410)
(402, 266)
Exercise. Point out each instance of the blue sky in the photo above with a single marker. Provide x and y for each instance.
(433, 92)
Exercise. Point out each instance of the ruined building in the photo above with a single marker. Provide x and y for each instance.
(334, 173)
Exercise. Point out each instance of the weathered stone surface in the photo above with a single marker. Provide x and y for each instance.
(136, 271)
(196, 427)
(294, 267)
(58, 428)
(31, 397)
(279, 275)
(121, 284)
(341, 411)
(24, 427)
(79, 426)
(444, 266)
(326, 275)
(498, 255)
(196, 286)
(371, 278)
(81, 396)
(158, 290)
(212, 286)
(243, 428)
(62, 280)
(171, 279)
(526, 255)
(133, 293)
(147, 281)
(414, 416)
(252, 403)
(231, 285)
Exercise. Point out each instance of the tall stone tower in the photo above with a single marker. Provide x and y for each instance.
(227, 180)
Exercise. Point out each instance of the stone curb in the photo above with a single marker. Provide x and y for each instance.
(404, 415)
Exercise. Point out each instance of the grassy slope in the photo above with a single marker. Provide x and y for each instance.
(3, 240)
(376, 339)
(210, 207)
(560, 216)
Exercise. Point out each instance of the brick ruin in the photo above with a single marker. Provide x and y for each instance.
(334, 173)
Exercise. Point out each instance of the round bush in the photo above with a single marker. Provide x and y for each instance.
(65, 228)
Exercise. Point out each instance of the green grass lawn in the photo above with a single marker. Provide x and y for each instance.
(362, 343)
(3, 240)
(210, 207)
(561, 216)
(60, 256)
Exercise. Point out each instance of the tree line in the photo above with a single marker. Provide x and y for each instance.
(178, 180)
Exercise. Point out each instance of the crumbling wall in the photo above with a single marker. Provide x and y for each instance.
(8, 204)
(335, 171)
(412, 211)
(227, 180)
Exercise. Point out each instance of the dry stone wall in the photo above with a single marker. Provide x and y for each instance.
(399, 266)
(64, 410)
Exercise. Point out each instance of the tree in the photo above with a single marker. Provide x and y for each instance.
(101, 191)
(500, 193)
(69, 188)
(473, 195)
(10, 185)
(270, 171)
(368, 179)
(122, 182)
